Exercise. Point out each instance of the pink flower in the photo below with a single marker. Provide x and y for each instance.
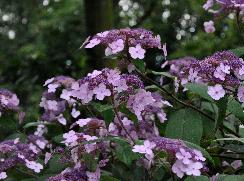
(75, 113)
(116, 46)
(82, 92)
(240, 94)
(83, 122)
(236, 164)
(94, 176)
(52, 87)
(216, 92)
(218, 73)
(47, 157)
(48, 81)
(121, 85)
(113, 76)
(224, 68)
(146, 149)
(70, 137)
(137, 52)
(36, 167)
(103, 34)
(61, 119)
(208, 4)
(101, 91)
(94, 73)
(209, 27)
(3, 175)
(184, 156)
(92, 43)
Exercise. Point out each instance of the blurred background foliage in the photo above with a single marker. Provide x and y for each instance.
(41, 38)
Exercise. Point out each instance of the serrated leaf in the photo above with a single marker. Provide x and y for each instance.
(230, 177)
(101, 107)
(222, 107)
(166, 74)
(140, 65)
(185, 124)
(238, 51)
(124, 153)
(235, 108)
(198, 178)
(200, 90)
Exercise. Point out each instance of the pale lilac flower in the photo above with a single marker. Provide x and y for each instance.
(83, 122)
(240, 94)
(236, 164)
(52, 87)
(131, 67)
(184, 156)
(193, 75)
(209, 27)
(165, 50)
(137, 52)
(126, 121)
(103, 34)
(3, 175)
(82, 92)
(52, 105)
(48, 81)
(208, 4)
(94, 73)
(101, 91)
(92, 43)
(146, 149)
(36, 167)
(94, 176)
(198, 155)
(70, 137)
(121, 85)
(162, 116)
(216, 92)
(113, 76)
(41, 143)
(66, 95)
(91, 146)
(224, 68)
(75, 113)
(116, 46)
(61, 119)
(47, 157)
(218, 73)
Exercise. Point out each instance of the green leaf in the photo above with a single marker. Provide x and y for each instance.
(90, 162)
(230, 177)
(200, 90)
(124, 152)
(108, 116)
(140, 65)
(199, 178)
(108, 178)
(235, 108)
(166, 74)
(204, 152)
(222, 107)
(185, 124)
(238, 51)
(101, 107)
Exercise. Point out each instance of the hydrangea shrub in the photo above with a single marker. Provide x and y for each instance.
(183, 122)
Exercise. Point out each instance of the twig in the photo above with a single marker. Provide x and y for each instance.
(182, 102)
(118, 117)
